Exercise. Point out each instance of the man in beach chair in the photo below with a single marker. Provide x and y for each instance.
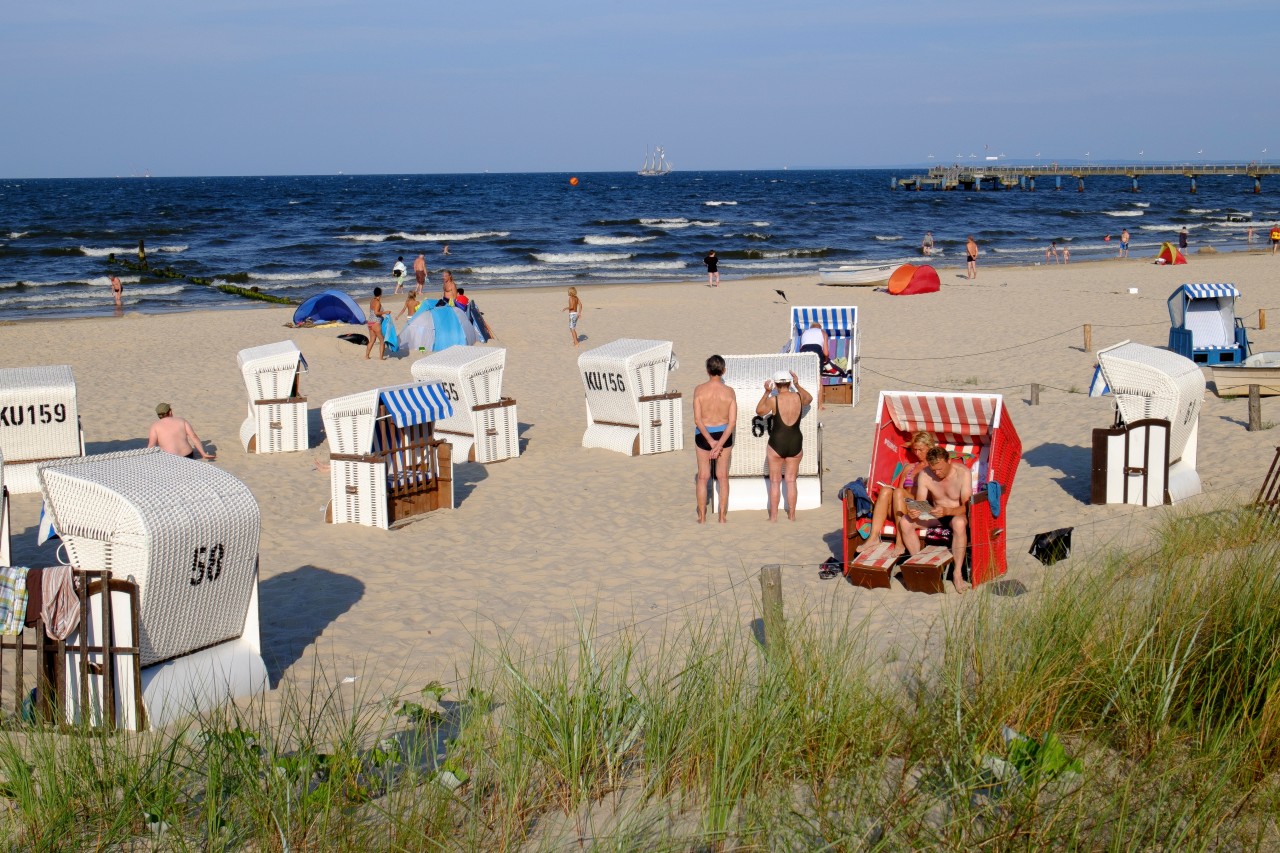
(943, 493)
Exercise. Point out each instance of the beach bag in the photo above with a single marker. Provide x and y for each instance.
(1053, 546)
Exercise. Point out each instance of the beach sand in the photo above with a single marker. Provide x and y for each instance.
(562, 530)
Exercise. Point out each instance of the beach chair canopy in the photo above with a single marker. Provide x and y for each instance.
(838, 322)
(271, 370)
(616, 375)
(1207, 311)
(1147, 382)
(470, 376)
(185, 531)
(39, 418)
(435, 329)
(910, 280)
(331, 306)
(350, 420)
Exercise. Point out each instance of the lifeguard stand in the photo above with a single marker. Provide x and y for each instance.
(484, 426)
(628, 406)
(39, 421)
(186, 533)
(386, 466)
(277, 421)
(1204, 326)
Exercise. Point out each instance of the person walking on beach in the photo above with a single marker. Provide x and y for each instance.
(175, 435)
(397, 272)
(713, 268)
(574, 309)
(1182, 240)
(1124, 244)
(785, 399)
(1051, 252)
(715, 414)
(1275, 236)
(1066, 254)
(971, 259)
(420, 271)
(375, 325)
(117, 289)
(926, 245)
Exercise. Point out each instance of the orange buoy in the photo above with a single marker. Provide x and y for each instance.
(573, 182)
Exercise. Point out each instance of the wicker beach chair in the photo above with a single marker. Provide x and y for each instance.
(1148, 456)
(749, 467)
(1204, 326)
(843, 338)
(39, 421)
(386, 465)
(277, 421)
(484, 426)
(978, 431)
(629, 409)
(186, 533)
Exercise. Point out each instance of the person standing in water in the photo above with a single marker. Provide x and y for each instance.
(713, 268)
(926, 245)
(117, 289)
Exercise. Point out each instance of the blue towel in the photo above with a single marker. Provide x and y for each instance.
(857, 489)
(389, 334)
(994, 492)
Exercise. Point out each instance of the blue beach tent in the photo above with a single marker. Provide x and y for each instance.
(331, 306)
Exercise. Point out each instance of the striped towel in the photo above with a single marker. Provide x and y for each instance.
(13, 599)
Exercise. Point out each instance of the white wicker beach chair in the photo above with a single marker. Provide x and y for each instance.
(386, 466)
(628, 406)
(843, 344)
(483, 426)
(39, 420)
(749, 468)
(277, 421)
(187, 534)
(1148, 457)
(4, 518)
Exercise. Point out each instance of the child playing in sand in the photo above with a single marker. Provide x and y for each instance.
(574, 309)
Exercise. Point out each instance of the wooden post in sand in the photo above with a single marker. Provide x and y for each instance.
(1035, 394)
(1262, 318)
(1088, 337)
(1255, 408)
(771, 599)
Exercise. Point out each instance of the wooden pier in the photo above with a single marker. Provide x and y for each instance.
(979, 177)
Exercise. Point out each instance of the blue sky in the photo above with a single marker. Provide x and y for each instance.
(277, 87)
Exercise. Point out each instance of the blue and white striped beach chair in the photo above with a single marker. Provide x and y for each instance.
(1204, 326)
(841, 326)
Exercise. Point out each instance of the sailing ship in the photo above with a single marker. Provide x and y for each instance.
(655, 163)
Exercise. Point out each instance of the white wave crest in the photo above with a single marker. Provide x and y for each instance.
(294, 276)
(584, 258)
(105, 280)
(1141, 204)
(173, 249)
(18, 235)
(95, 252)
(678, 222)
(718, 203)
(1173, 229)
(606, 240)
(1203, 210)
(505, 269)
(652, 265)
(755, 235)
(450, 238)
(365, 238)
(759, 224)
(1123, 212)
(888, 238)
(791, 253)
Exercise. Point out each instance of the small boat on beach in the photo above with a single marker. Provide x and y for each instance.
(655, 164)
(856, 275)
(1261, 369)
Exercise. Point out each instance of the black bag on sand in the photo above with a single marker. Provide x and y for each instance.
(1053, 546)
(358, 340)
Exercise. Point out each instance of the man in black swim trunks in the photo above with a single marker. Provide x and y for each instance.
(715, 414)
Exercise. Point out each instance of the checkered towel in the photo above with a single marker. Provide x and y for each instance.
(13, 599)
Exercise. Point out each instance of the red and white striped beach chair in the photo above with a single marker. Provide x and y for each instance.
(977, 427)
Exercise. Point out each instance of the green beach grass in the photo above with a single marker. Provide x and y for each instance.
(1132, 702)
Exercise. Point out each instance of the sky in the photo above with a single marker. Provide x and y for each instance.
(258, 87)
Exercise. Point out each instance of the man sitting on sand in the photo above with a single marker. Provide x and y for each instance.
(948, 489)
(715, 414)
(174, 435)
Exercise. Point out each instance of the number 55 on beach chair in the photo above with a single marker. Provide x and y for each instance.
(483, 426)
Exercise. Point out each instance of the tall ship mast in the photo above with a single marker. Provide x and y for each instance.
(655, 163)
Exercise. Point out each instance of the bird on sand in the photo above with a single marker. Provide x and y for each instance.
(783, 295)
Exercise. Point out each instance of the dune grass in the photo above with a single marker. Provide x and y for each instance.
(1131, 702)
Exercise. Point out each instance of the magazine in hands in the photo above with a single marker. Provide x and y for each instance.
(924, 508)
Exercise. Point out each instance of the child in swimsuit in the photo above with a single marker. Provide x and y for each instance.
(574, 309)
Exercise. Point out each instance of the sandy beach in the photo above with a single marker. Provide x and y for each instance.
(564, 530)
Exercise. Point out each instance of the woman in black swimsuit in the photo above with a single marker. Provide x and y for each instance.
(786, 443)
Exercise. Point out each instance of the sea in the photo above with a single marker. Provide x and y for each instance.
(293, 236)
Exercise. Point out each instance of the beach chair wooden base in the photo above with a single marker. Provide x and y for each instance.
(927, 571)
(838, 395)
(873, 568)
(276, 426)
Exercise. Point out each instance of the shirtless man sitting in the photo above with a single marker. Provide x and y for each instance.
(715, 413)
(948, 489)
(174, 435)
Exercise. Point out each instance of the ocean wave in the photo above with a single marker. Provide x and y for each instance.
(1123, 212)
(759, 224)
(656, 222)
(18, 235)
(97, 252)
(888, 238)
(606, 240)
(1200, 211)
(295, 276)
(718, 203)
(1141, 203)
(1173, 229)
(651, 265)
(755, 235)
(71, 298)
(583, 258)
(451, 238)
(105, 280)
(505, 269)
